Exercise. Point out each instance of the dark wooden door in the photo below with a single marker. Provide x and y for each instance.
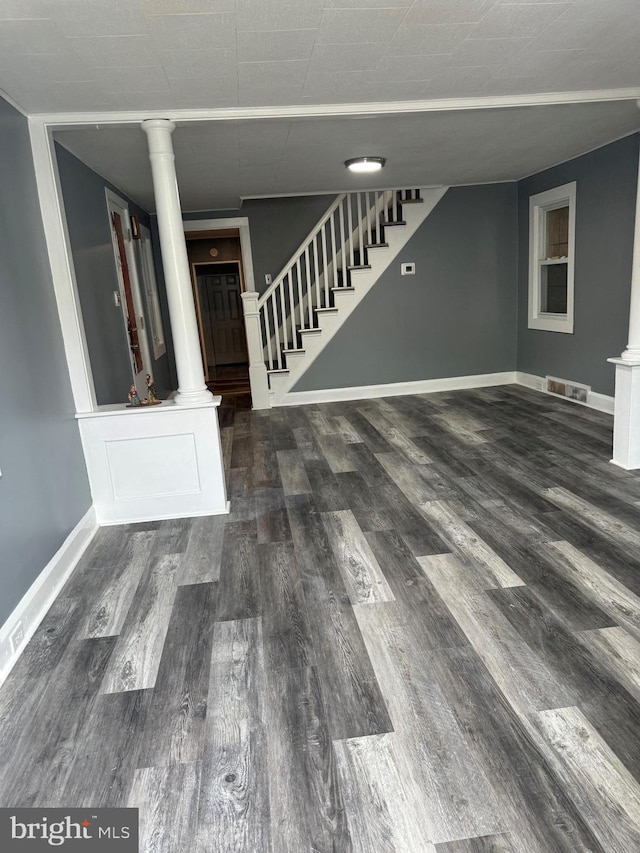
(221, 311)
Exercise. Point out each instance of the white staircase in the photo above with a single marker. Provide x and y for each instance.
(325, 280)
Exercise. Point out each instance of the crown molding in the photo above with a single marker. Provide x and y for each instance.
(13, 103)
(327, 110)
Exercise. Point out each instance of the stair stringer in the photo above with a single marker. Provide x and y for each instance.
(362, 280)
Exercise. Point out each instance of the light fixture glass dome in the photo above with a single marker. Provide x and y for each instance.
(365, 164)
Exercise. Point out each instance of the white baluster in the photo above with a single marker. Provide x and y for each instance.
(380, 207)
(334, 259)
(276, 329)
(284, 315)
(343, 243)
(316, 272)
(350, 227)
(368, 208)
(325, 271)
(307, 265)
(292, 310)
(267, 332)
(360, 234)
(300, 299)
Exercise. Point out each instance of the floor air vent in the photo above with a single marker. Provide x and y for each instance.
(572, 390)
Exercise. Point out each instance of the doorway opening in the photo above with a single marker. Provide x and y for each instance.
(218, 283)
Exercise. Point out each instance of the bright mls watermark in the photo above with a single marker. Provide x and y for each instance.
(79, 830)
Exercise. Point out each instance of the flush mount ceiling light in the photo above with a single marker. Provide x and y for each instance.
(365, 164)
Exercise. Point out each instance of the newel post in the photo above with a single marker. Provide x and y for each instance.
(257, 368)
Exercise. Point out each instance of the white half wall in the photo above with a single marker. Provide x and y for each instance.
(148, 463)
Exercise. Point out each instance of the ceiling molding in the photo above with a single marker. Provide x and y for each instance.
(13, 103)
(54, 120)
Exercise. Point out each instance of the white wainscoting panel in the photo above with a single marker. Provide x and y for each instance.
(178, 473)
(152, 463)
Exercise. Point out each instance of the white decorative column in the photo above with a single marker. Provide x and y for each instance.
(257, 368)
(192, 389)
(626, 425)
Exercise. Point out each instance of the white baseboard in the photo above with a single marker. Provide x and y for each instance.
(394, 389)
(43, 591)
(167, 517)
(600, 402)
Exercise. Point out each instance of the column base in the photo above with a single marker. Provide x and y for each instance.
(193, 398)
(626, 423)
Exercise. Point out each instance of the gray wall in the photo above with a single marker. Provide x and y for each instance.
(43, 489)
(94, 264)
(277, 225)
(456, 316)
(605, 214)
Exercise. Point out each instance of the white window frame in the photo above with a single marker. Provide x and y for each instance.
(538, 206)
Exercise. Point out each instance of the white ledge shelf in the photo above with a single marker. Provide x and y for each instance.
(166, 406)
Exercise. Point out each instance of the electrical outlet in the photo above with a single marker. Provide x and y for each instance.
(408, 269)
(17, 637)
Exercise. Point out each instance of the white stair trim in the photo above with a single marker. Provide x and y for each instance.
(362, 280)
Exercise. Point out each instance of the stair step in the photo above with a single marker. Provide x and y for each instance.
(376, 246)
(326, 310)
(313, 331)
(386, 224)
(411, 201)
(271, 370)
(343, 289)
(359, 267)
(292, 351)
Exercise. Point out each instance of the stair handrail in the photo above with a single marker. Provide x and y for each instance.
(317, 228)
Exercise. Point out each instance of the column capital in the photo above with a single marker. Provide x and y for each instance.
(165, 124)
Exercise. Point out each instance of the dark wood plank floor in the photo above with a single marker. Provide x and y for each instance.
(418, 630)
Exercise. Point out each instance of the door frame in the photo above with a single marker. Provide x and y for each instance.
(116, 204)
(196, 297)
(246, 267)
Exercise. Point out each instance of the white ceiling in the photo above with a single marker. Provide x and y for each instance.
(163, 56)
(88, 55)
(218, 162)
